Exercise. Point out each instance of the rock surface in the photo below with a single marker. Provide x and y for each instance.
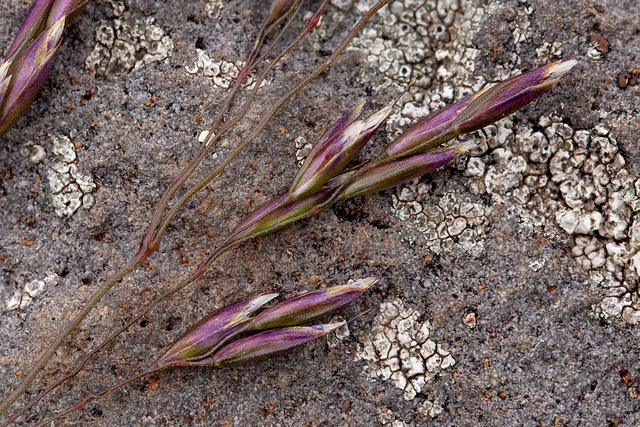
(512, 286)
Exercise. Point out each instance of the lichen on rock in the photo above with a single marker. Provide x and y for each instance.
(400, 350)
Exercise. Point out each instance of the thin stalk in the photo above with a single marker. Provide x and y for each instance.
(51, 349)
(104, 393)
(218, 169)
(143, 253)
(195, 275)
(266, 29)
(293, 12)
(250, 64)
(149, 243)
(272, 111)
(146, 249)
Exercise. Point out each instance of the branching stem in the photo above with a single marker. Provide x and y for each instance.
(148, 246)
(155, 232)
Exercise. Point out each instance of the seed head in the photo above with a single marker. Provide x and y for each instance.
(377, 177)
(310, 306)
(337, 147)
(212, 331)
(30, 57)
(478, 110)
(267, 343)
(277, 214)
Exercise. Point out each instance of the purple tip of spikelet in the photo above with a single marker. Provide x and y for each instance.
(267, 343)
(336, 149)
(310, 306)
(478, 110)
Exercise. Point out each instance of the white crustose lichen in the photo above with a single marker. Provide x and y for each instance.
(22, 298)
(123, 46)
(562, 180)
(69, 187)
(221, 73)
(401, 351)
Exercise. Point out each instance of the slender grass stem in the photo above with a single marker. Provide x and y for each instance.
(104, 393)
(218, 169)
(150, 243)
(51, 349)
(143, 253)
(199, 272)
(272, 111)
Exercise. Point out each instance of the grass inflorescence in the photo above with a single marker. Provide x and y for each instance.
(324, 179)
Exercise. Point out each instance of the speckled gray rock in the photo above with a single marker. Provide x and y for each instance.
(518, 267)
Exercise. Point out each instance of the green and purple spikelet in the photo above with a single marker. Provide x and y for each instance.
(210, 333)
(29, 59)
(214, 341)
(322, 180)
(478, 110)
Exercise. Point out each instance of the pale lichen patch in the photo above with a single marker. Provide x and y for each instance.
(213, 8)
(575, 182)
(400, 350)
(431, 42)
(70, 188)
(23, 298)
(222, 73)
(303, 148)
(36, 153)
(561, 179)
(455, 221)
(123, 46)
